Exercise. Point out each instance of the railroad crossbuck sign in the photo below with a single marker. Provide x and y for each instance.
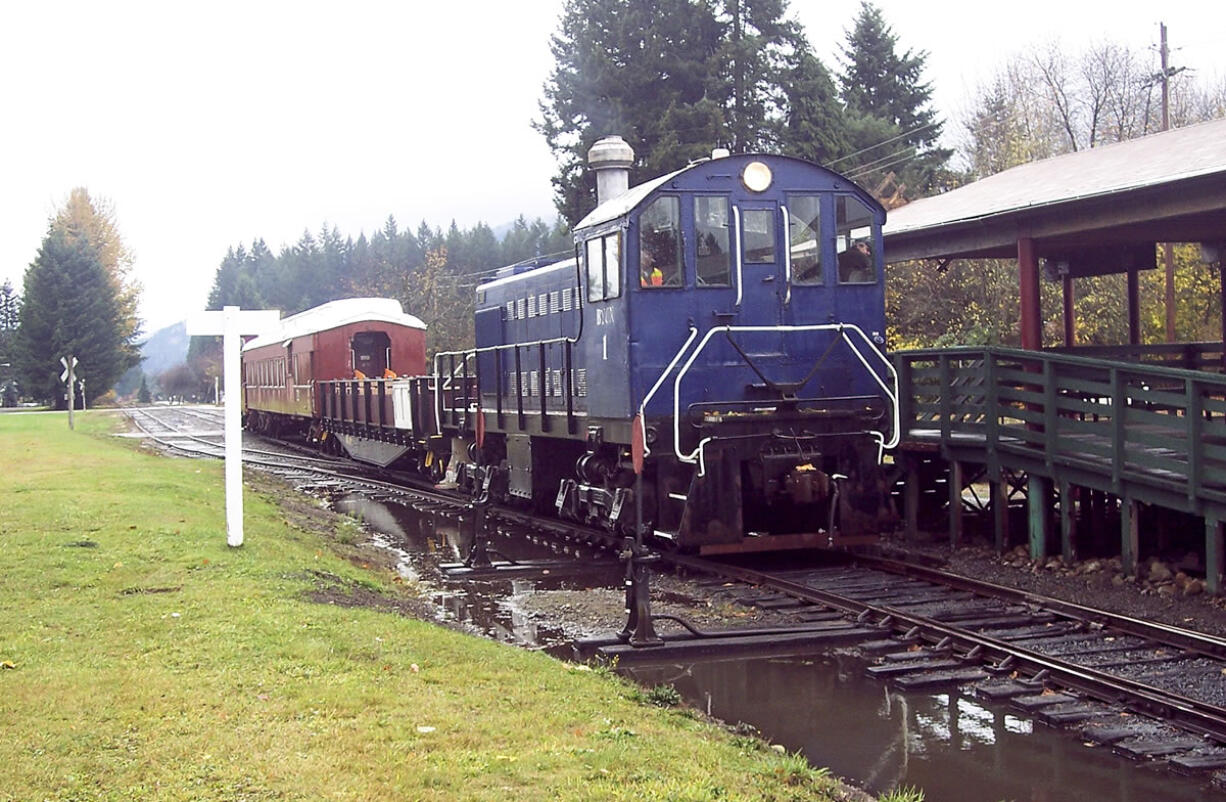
(232, 324)
(67, 367)
(70, 362)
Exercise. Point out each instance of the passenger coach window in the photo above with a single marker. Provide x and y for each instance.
(603, 267)
(854, 242)
(759, 235)
(711, 233)
(660, 244)
(804, 238)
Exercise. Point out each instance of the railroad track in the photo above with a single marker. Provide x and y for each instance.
(566, 539)
(1151, 691)
(1148, 690)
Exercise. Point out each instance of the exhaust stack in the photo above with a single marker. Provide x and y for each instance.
(611, 158)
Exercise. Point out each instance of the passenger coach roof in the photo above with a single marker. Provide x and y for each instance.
(335, 314)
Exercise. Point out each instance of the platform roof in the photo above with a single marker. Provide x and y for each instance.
(1165, 187)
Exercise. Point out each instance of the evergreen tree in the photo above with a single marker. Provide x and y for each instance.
(637, 68)
(71, 306)
(879, 82)
(142, 395)
(10, 319)
(677, 78)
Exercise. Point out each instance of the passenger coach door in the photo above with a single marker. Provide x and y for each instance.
(762, 286)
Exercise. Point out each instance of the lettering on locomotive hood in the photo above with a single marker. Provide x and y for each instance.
(605, 317)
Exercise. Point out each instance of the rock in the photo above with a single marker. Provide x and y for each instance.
(1053, 563)
(1166, 589)
(1190, 562)
(1091, 567)
(1118, 580)
(1194, 587)
(1159, 572)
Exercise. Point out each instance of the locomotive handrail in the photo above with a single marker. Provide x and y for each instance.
(697, 455)
(787, 257)
(471, 353)
(736, 229)
(660, 381)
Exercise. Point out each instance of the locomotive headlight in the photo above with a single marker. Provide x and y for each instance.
(756, 177)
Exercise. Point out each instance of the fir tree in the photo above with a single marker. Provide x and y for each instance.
(676, 79)
(142, 395)
(71, 307)
(880, 83)
(10, 318)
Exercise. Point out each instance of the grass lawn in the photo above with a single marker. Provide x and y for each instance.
(144, 659)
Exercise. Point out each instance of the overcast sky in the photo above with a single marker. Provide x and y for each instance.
(209, 124)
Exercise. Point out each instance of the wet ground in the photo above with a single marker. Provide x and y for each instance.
(954, 748)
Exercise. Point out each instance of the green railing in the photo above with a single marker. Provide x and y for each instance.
(1204, 356)
(1114, 424)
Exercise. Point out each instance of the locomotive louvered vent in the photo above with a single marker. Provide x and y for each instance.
(531, 306)
(543, 303)
(520, 309)
(556, 381)
(512, 384)
(566, 304)
(533, 383)
(510, 310)
(554, 302)
(581, 383)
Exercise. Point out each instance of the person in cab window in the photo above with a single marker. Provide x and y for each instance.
(856, 264)
(652, 276)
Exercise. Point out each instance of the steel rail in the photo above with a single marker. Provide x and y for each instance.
(1199, 642)
(1191, 714)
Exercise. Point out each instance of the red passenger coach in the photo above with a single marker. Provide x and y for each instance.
(346, 339)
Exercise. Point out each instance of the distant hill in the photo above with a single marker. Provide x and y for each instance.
(164, 349)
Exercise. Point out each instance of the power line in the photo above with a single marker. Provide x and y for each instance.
(915, 130)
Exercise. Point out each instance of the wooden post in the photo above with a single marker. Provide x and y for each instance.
(911, 499)
(232, 324)
(1068, 521)
(1039, 497)
(1134, 307)
(1028, 277)
(955, 502)
(1000, 511)
(1129, 536)
(1070, 323)
(1213, 555)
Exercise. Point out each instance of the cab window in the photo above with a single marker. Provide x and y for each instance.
(660, 244)
(804, 238)
(714, 267)
(758, 232)
(603, 257)
(854, 242)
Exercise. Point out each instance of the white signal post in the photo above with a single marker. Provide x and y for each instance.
(232, 324)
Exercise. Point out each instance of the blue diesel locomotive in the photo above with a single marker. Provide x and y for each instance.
(717, 336)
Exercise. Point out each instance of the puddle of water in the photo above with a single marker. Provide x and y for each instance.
(422, 538)
(952, 747)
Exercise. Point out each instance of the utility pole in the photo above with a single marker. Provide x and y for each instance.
(1168, 251)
